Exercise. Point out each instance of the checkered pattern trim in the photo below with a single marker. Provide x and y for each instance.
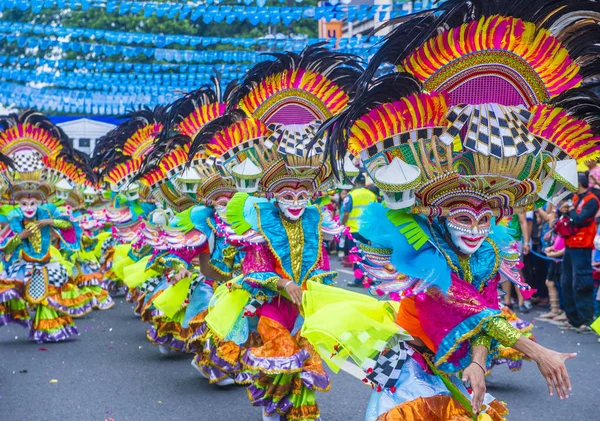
(108, 243)
(401, 139)
(57, 274)
(27, 161)
(198, 280)
(253, 306)
(36, 287)
(295, 140)
(492, 129)
(388, 364)
(150, 285)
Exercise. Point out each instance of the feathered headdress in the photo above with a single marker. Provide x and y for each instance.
(30, 141)
(476, 124)
(163, 169)
(235, 140)
(119, 155)
(291, 95)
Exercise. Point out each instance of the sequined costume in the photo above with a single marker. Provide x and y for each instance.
(263, 145)
(36, 276)
(471, 129)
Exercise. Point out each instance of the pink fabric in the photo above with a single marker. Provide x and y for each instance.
(188, 254)
(559, 243)
(292, 114)
(258, 259)
(486, 89)
(324, 263)
(68, 234)
(596, 173)
(439, 314)
(282, 311)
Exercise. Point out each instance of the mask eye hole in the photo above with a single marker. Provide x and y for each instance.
(288, 197)
(463, 220)
(485, 220)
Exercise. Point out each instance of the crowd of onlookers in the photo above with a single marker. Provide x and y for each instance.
(561, 256)
(559, 246)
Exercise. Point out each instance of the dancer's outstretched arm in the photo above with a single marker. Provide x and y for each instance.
(550, 363)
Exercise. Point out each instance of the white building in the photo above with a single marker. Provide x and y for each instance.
(85, 131)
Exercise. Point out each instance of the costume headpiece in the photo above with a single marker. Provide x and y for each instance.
(475, 123)
(120, 152)
(30, 141)
(292, 95)
(236, 141)
(164, 169)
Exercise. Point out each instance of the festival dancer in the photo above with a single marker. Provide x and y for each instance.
(488, 120)
(83, 265)
(278, 108)
(34, 279)
(182, 298)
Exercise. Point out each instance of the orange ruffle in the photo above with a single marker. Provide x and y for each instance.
(53, 324)
(197, 321)
(439, 408)
(17, 314)
(408, 319)
(85, 277)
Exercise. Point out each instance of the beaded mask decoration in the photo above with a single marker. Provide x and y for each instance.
(486, 115)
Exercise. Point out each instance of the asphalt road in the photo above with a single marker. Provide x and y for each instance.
(111, 371)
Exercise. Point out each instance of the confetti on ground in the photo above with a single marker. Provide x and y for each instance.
(23, 371)
(42, 349)
(53, 381)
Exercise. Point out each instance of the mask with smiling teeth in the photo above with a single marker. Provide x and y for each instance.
(292, 203)
(29, 206)
(469, 229)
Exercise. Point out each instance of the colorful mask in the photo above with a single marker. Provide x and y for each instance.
(220, 205)
(29, 206)
(292, 202)
(469, 228)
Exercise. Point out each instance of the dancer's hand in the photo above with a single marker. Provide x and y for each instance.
(183, 273)
(474, 377)
(293, 290)
(552, 366)
(25, 234)
(44, 223)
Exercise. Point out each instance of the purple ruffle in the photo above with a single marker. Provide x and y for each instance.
(94, 282)
(71, 311)
(169, 340)
(276, 365)
(312, 380)
(10, 294)
(62, 334)
(7, 318)
(103, 305)
(513, 365)
(257, 396)
(219, 368)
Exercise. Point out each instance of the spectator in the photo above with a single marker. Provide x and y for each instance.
(354, 205)
(593, 176)
(520, 231)
(555, 251)
(577, 283)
